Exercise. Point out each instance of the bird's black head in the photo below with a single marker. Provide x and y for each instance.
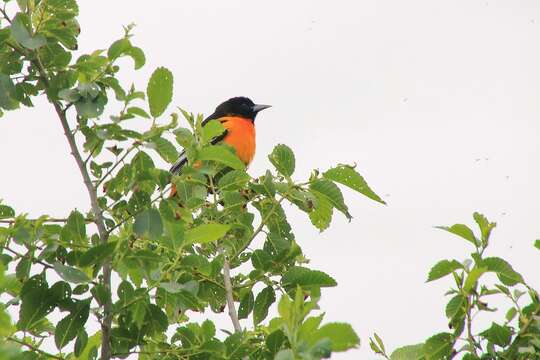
(238, 106)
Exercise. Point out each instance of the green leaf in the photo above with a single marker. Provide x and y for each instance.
(223, 155)
(80, 343)
(438, 346)
(118, 48)
(503, 269)
(211, 130)
(484, 225)
(497, 334)
(68, 328)
(20, 32)
(461, 230)
(36, 302)
(135, 110)
(409, 352)
(443, 268)
(233, 180)
(330, 191)
(97, 254)
(263, 301)
(305, 278)
(348, 176)
(537, 244)
(159, 91)
(246, 305)
(341, 335)
(148, 223)
(6, 212)
(205, 233)
(165, 149)
(22, 270)
(75, 229)
(456, 306)
(285, 354)
(321, 214)
(282, 157)
(137, 55)
(91, 108)
(93, 344)
(7, 93)
(71, 274)
(472, 278)
(260, 259)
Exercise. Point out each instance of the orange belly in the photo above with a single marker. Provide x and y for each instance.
(241, 136)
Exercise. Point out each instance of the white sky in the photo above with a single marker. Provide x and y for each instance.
(437, 101)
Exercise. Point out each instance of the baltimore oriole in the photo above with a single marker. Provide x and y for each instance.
(237, 115)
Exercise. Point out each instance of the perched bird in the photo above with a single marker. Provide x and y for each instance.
(237, 115)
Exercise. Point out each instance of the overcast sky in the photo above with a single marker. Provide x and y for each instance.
(438, 102)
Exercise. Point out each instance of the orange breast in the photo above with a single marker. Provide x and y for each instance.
(241, 136)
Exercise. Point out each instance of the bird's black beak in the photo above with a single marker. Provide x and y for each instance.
(257, 107)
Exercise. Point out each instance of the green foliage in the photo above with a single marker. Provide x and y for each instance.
(516, 336)
(169, 258)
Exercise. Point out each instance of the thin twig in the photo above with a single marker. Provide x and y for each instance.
(133, 147)
(261, 225)
(49, 220)
(33, 348)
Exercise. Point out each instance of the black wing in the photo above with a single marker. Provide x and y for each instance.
(182, 159)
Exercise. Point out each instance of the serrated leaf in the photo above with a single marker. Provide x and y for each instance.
(221, 154)
(305, 278)
(321, 214)
(462, 231)
(484, 225)
(349, 177)
(443, 268)
(503, 269)
(148, 223)
(71, 274)
(331, 192)
(205, 233)
(341, 335)
(262, 302)
(282, 157)
(165, 149)
(159, 91)
(497, 334)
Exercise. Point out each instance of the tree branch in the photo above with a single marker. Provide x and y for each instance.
(99, 221)
(229, 293)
